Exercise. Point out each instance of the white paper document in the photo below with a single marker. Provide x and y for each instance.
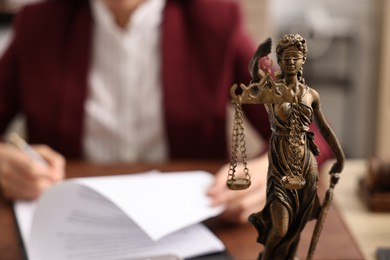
(132, 216)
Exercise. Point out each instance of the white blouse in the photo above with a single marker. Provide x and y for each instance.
(123, 112)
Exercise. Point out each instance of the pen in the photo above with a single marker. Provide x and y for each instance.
(20, 143)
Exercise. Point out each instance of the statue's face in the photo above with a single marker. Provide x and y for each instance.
(291, 61)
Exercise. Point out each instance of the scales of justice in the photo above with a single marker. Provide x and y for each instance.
(292, 180)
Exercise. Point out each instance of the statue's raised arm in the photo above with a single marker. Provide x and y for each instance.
(262, 89)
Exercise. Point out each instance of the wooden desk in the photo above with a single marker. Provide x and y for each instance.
(335, 243)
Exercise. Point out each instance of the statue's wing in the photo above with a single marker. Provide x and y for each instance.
(263, 50)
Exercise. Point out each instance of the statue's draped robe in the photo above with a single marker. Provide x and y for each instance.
(302, 204)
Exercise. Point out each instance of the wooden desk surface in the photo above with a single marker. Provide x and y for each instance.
(335, 243)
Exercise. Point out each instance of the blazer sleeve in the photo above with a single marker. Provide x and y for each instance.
(9, 97)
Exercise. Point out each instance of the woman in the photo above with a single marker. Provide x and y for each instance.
(130, 81)
(293, 173)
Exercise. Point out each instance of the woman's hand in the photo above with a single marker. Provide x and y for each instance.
(240, 204)
(23, 178)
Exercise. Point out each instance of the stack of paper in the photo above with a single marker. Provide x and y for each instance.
(116, 217)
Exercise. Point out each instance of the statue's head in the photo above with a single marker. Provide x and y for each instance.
(291, 53)
(291, 42)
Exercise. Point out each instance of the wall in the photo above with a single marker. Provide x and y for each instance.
(383, 125)
(257, 19)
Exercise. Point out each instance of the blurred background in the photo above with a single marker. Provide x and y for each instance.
(349, 64)
(348, 60)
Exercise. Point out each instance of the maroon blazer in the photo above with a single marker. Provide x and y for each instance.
(43, 74)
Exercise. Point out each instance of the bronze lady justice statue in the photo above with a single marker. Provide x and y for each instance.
(292, 174)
